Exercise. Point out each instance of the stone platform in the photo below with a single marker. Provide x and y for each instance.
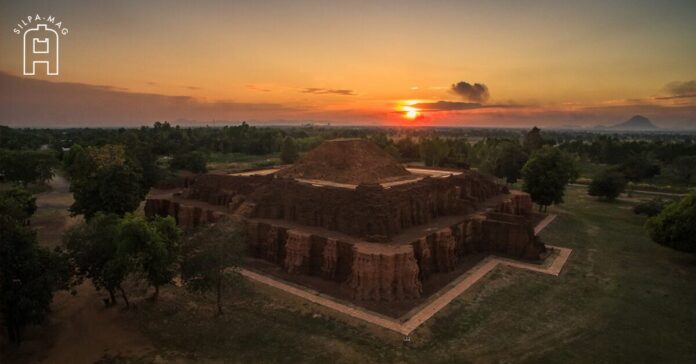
(361, 220)
(409, 322)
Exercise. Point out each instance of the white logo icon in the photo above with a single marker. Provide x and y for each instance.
(41, 47)
(40, 43)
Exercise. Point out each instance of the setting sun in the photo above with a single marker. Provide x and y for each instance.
(411, 112)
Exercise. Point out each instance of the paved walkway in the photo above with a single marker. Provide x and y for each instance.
(442, 298)
(641, 192)
(544, 223)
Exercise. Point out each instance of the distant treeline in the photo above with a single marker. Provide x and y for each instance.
(502, 152)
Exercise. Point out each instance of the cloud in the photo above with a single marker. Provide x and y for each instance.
(157, 84)
(458, 105)
(676, 97)
(325, 91)
(34, 102)
(257, 88)
(477, 92)
(446, 106)
(681, 89)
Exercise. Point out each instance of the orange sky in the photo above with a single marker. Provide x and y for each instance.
(547, 63)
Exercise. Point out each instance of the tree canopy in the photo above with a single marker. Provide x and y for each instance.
(27, 166)
(210, 257)
(99, 254)
(533, 140)
(508, 160)
(675, 225)
(105, 179)
(29, 274)
(289, 153)
(546, 175)
(154, 246)
(191, 161)
(607, 184)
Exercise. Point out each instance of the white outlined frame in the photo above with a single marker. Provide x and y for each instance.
(34, 63)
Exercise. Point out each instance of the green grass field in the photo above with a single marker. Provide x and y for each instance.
(621, 298)
(236, 162)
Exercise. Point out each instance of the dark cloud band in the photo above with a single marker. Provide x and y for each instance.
(477, 92)
(327, 91)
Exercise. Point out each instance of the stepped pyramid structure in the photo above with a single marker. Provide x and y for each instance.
(351, 161)
(349, 214)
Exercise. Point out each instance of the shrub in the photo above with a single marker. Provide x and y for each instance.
(675, 226)
(649, 208)
(607, 185)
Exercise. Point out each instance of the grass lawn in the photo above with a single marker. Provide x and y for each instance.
(235, 162)
(238, 157)
(621, 298)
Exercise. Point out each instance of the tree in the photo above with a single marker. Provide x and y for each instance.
(76, 161)
(434, 151)
(288, 153)
(650, 208)
(27, 166)
(190, 161)
(685, 167)
(533, 140)
(408, 149)
(99, 255)
(17, 203)
(154, 245)
(29, 274)
(105, 179)
(509, 159)
(675, 226)
(146, 159)
(459, 153)
(210, 259)
(639, 167)
(546, 174)
(607, 184)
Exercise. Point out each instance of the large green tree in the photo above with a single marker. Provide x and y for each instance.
(546, 174)
(509, 159)
(289, 153)
(105, 179)
(210, 259)
(533, 140)
(27, 166)
(99, 254)
(607, 185)
(675, 226)
(17, 203)
(155, 246)
(29, 274)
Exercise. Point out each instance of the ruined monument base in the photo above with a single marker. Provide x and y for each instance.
(436, 284)
(347, 213)
(394, 309)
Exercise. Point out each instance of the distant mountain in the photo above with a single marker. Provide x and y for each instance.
(637, 122)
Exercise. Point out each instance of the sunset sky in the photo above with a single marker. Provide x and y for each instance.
(511, 63)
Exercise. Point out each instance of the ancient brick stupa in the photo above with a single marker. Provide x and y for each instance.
(349, 213)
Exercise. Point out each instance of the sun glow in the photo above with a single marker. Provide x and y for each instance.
(411, 112)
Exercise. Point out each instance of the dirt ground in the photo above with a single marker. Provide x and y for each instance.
(52, 217)
(80, 328)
